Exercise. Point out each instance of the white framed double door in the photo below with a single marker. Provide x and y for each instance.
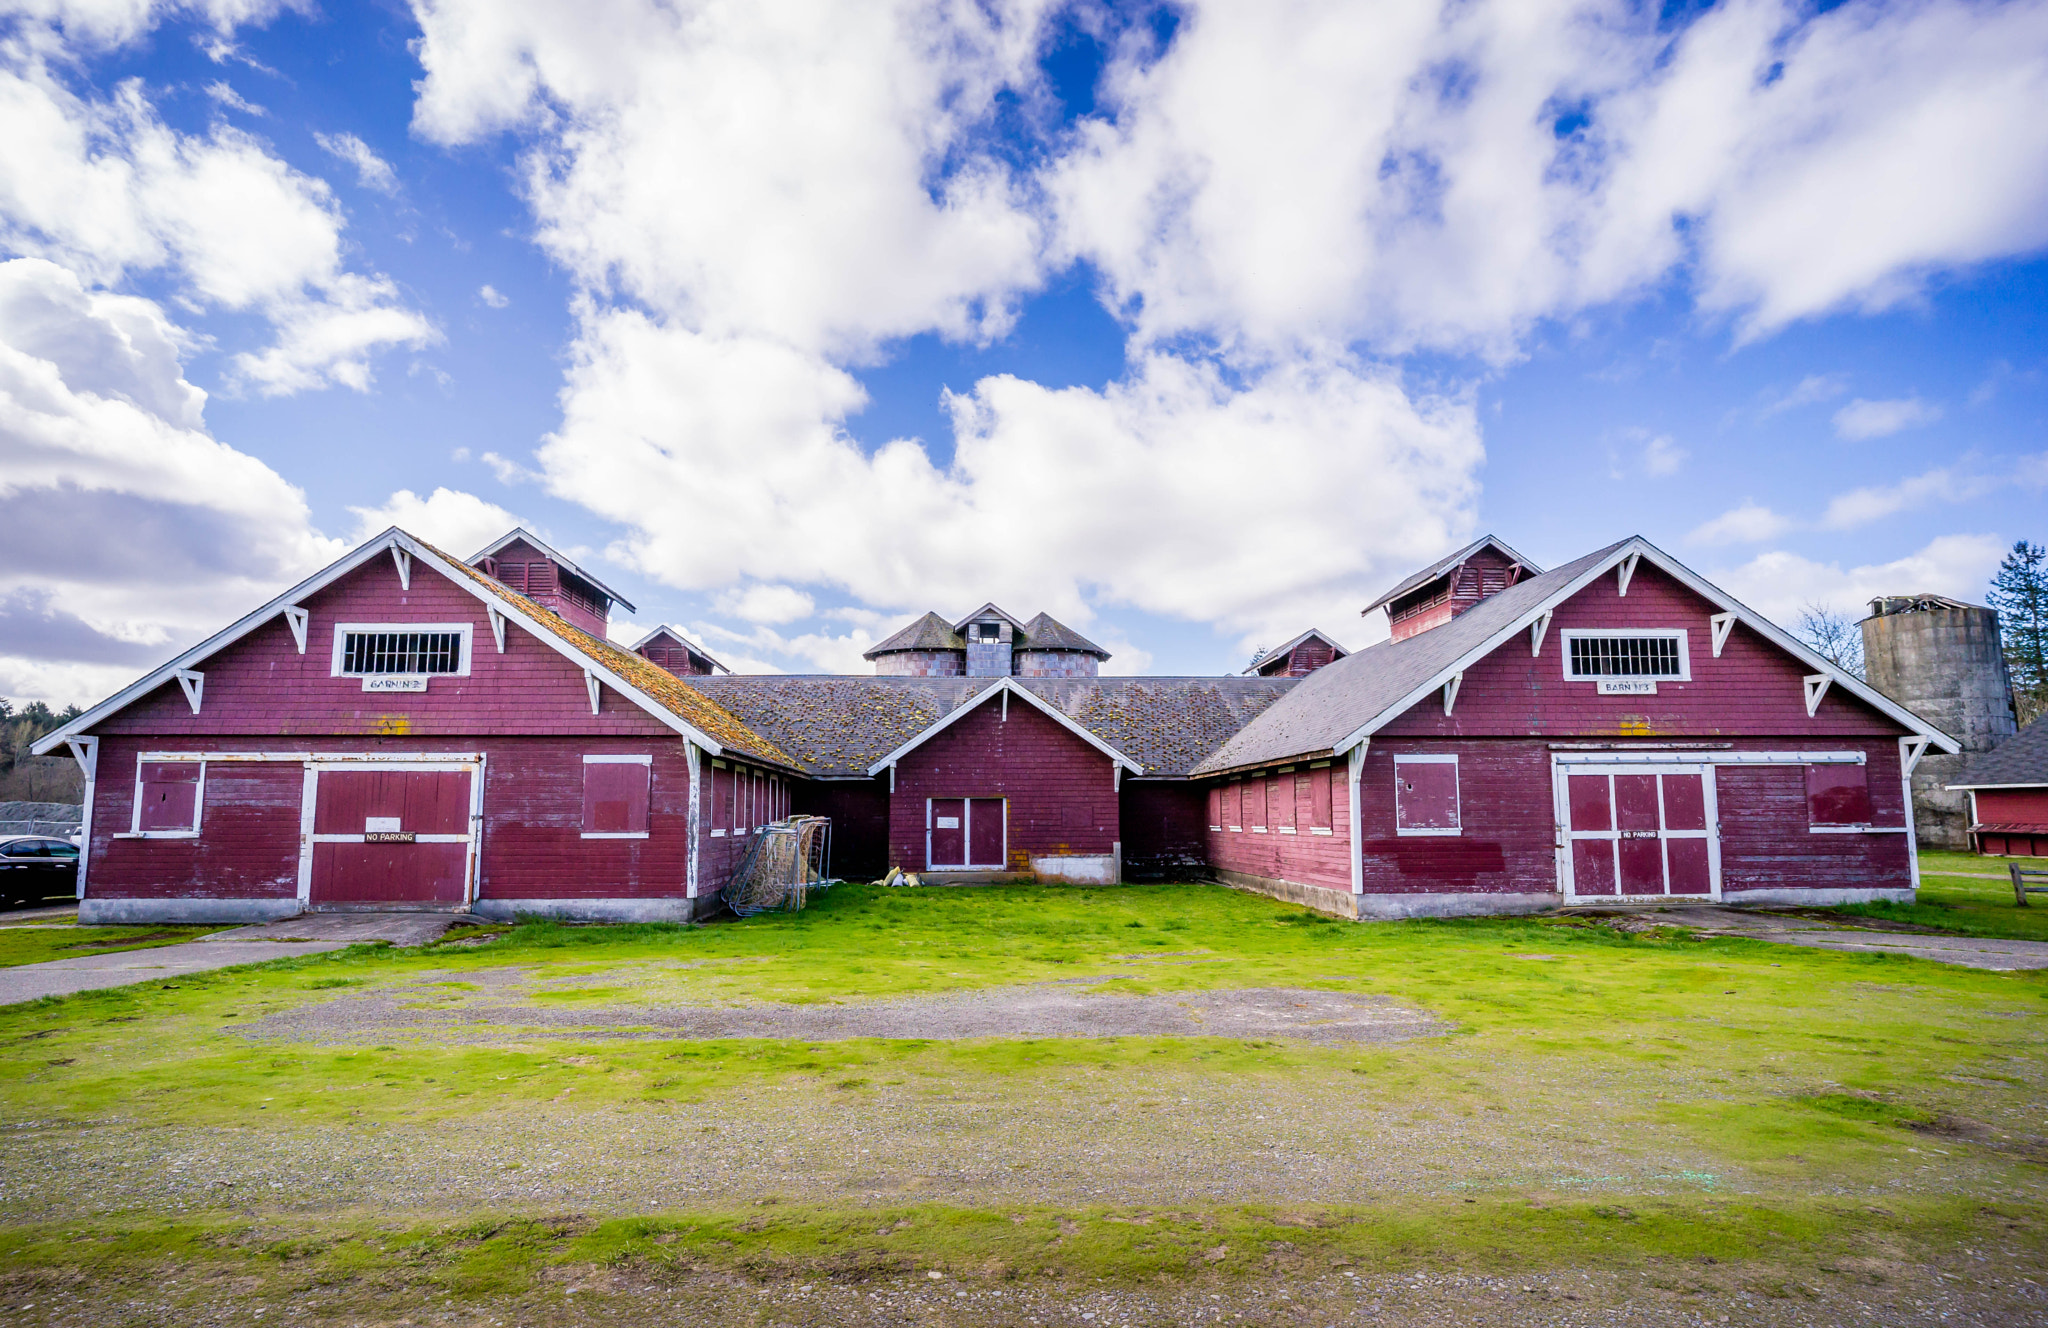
(1633, 832)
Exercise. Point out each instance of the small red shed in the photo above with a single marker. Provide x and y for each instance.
(2008, 788)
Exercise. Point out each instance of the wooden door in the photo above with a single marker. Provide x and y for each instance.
(394, 837)
(946, 832)
(985, 832)
(1639, 833)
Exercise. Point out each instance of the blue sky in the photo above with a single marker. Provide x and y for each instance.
(1193, 325)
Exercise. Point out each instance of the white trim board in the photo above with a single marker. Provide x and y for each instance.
(1005, 687)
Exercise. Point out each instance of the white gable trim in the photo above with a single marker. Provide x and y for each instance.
(988, 610)
(396, 541)
(522, 533)
(1004, 687)
(1631, 552)
(669, 630)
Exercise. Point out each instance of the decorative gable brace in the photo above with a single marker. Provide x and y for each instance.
(404, 561)
(596, 688)
(1537, 630)
(297, 618)
(1722, 624)
(497, 626)
(194, 685)
(1628, 572)
(1910, 751)
(1451, 691)
(1816, 688)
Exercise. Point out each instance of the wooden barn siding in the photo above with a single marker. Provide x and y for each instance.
(263, 685)
(1753, 688)
(1166, 830)
(2012, 807)
(1040, 767)
(859, 812)
(1508, 820)
(1303, 858)
(248, 846)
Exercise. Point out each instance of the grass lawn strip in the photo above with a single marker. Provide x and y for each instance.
(23, 944)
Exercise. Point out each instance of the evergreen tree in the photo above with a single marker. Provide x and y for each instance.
(2019, 591)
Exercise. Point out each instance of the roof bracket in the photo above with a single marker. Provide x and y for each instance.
(1628, 572)
(1537, 630)
(1816, 688)
(1911, 749)
(297, 618)
(595, 688)
(497, 626)
(85, 751)
(194, 685)
(1451, 691)
(1006, 707)
(404, 561)
(892, 778)
(1723, 624)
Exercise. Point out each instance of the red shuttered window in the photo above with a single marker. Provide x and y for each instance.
(1215, 808)
(1255, 805)
(1233, 796)
(167, 797)
(1284, 801)
(1319, 798)
(615, 796)
(1837, 795)
(1426, 795)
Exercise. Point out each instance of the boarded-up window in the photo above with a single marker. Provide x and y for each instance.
(1232, 795)
(1426, 795)
(1837, 795)
(1283, 801)
(167, 797)
(1215, 808)
(1255, 804)
(615, 795)
(1319, 798)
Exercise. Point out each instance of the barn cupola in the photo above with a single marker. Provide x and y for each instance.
(1298, 658)
(1451, 585)
(677, 653)
(521, 561)
(991, 636)
(987, 643)
(928, 648)
(1048, 648)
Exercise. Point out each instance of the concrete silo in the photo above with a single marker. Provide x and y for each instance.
(1941, 659)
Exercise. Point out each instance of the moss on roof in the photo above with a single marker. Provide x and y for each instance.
(930, 632)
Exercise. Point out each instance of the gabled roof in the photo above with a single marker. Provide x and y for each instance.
(1046, 632)
(1445, 564)
(2021, 761)
(840, 724)
(1277, 652)
(681, 640)
(1338, 706)
(522, 533)
(930, 632)
(652, 688)
(989, 610)
(1000, 686)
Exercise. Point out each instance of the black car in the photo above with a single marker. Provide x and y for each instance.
(33, 867)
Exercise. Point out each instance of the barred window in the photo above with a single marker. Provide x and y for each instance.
(401, 652)
(1646, 655)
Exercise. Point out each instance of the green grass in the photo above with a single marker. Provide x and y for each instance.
(35, 945)
(1814, 1076)
(1954, 898)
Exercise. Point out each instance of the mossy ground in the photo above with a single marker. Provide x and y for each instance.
(1833, 1102)
(1956, 897)
(22, 944)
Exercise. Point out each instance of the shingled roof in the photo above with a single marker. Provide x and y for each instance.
(839, 725)
(930, 632)
(1046, 632)
(1330, 704)
(2021, 759)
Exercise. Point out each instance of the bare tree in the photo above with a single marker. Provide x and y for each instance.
(1834, 636)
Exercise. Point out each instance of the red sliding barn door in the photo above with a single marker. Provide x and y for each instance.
(948, 832)
(1636, 832)
(394, 837)
(985, 832)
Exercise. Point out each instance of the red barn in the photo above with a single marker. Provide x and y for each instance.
(2008, 788)
(1614, 731)
(408, 730)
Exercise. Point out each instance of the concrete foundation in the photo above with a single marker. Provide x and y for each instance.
(1459, 905)
(1814, 898)
(1054, 869)
(97, 912)
(598, 910)
(1321, 898)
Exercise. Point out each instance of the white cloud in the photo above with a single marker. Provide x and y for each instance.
(1779, 584)
(1862, 419)
(767, 603)
(106, 189)
(1746, 524)
(108, 23)
(507, 470)
(372, 171)
(1663, 456)
(1810, 391)
(1874, 502)
(228, 99)
(122, 512)
(489, 295)
(456, 522)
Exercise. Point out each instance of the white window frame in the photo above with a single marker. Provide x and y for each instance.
(1457, 796)
(135, 830)
(648, 761)
(1678, 634)
(342, 630)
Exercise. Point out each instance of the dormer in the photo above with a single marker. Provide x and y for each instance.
(1298, 658)
(677, 653)
(1451, 585)
(991, 637)
(520, 561)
